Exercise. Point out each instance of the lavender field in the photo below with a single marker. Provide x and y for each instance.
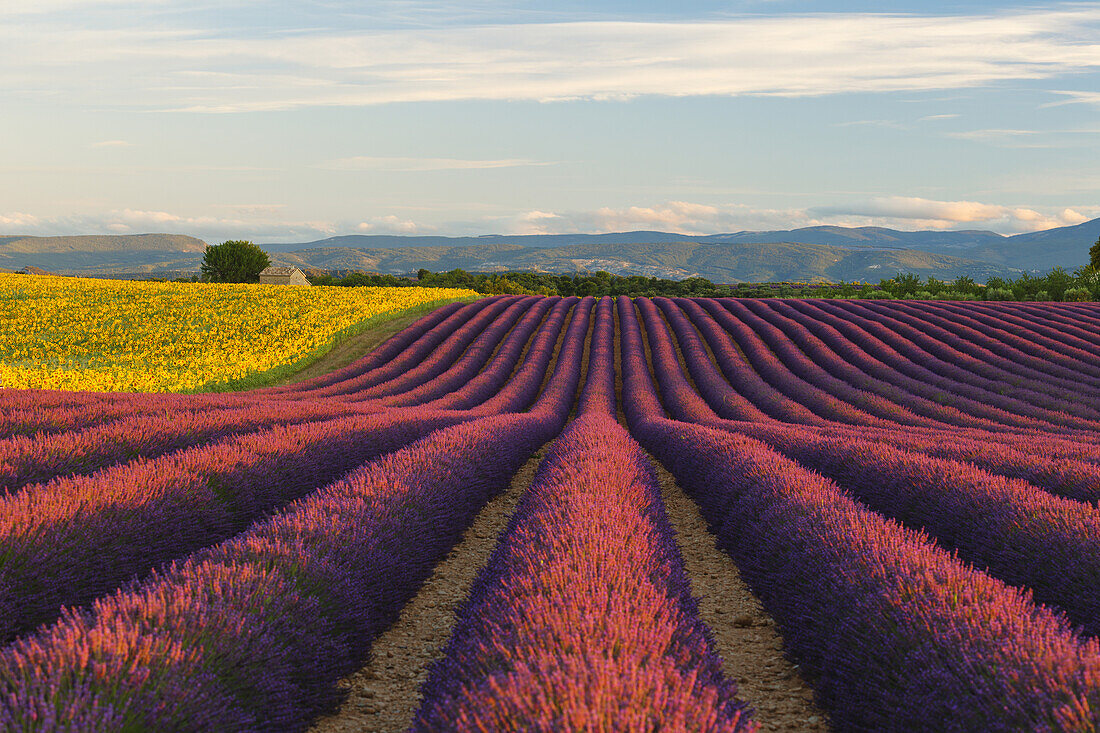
(909, 489)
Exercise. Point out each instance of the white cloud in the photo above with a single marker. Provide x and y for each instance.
(407, 165)
(17, 219)
(895, 212)
(262, 223)
(1076, 98)
(391, 225)
(207, 71)
(112, 144)
(930, 214)
(673, 216)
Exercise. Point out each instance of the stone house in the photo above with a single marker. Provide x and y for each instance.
(283, 276)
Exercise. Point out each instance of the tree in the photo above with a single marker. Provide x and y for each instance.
(1094, 255)
(235, 261)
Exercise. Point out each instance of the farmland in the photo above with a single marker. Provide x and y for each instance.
(130, 336)
(908, 489)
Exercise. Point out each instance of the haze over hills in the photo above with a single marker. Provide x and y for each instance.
(814, 253)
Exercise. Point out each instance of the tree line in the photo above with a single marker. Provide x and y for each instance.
(241, 261)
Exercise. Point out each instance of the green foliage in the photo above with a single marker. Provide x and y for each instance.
(1094, 255)
(234, 261)
(1077, 295)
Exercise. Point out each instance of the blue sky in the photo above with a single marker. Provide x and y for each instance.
(293, 121)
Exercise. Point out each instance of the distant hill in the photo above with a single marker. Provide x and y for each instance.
(719, 262)
(810, 253)
(1037, 251)
(98, 253)
(1065, 246)
(848, 237)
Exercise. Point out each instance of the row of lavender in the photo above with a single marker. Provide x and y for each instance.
(225, 460)
(897, 632)
(549, 637)
(250, 634)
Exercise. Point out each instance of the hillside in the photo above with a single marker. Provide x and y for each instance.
(1038, 251)
(100, 253)
(813, 253)
(720, 262)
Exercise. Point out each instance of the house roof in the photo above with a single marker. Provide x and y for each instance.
(279, 270)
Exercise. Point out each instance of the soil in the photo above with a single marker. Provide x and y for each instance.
(385, 694)
(745, 635)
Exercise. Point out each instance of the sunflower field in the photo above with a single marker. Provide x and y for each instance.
(130, 336)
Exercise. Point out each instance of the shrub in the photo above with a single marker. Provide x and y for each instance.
(235, 261)
(1077, 295)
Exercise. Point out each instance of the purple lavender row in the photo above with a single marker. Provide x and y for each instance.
(903, 360)
(1024, 535)
(379, 356)
(481, 395)
(754, 400)
(74, 539)
(842, 382)
(431, 355)
(1069, 479)
(501, 343)
(598, 396)
(250, 635)
(895, 633)
(955, 349)
(1065, 317)
(26, 460)
(560, 390)
(1063, 474)
(843, 360)
(951, 356)
(1012, 348)
(1054, 322)
(1028, 335)
(549, 637)
(970, 340)
(734, 343)
(850, 385)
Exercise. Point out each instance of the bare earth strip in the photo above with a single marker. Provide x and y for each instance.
(745, 635)
(385, 694)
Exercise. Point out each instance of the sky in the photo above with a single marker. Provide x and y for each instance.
(298, 120)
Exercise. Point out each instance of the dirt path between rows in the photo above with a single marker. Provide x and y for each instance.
(745, 635)
(385, 694)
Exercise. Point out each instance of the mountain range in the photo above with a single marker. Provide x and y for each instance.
(830, 253)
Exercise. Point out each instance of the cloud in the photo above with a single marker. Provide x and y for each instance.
(895, 212)
(263, 223)
(789, 55)
(673, 216)
(112, 144)
(893, 124)
(931, 214)
(416, 165)
(391, 225)
(1075, 98)
(16, 219)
